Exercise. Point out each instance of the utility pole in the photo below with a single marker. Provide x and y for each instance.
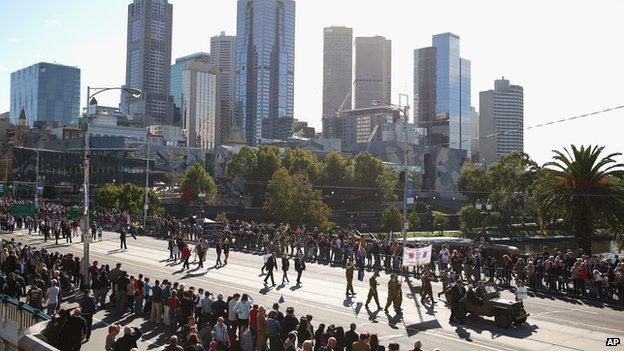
(146, 204)
(85, 212)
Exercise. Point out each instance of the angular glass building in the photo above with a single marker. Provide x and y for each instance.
(47, 92)
(265, 66)
(442, 101)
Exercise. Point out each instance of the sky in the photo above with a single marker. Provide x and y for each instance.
(568, 55)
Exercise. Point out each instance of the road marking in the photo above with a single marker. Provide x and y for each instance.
(620, 332)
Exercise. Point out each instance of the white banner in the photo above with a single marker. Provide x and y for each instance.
(418, 256)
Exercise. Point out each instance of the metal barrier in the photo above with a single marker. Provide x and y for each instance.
(16, 318)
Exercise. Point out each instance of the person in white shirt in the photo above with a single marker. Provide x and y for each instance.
(521, 291)
(52, 296)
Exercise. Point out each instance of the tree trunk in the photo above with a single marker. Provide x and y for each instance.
(583, 233)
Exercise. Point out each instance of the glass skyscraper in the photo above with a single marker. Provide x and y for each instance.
(148, 61)
(176, 81)
(47, 92)
(265, 65)
(442, 101)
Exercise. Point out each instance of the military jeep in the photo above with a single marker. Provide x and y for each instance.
(505, 312)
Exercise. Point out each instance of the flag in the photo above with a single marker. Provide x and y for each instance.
(418, 256)
(281, 299)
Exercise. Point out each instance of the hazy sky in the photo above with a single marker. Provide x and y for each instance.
(568, 55)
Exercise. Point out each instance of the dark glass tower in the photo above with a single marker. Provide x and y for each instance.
(265, 67)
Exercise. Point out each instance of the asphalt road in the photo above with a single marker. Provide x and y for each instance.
(554, 324)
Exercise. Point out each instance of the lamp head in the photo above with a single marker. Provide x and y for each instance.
(136, 93)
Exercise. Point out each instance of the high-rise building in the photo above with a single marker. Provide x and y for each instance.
(474, 136)
(337, 70)
(47, 92)
(199, 107)
(501, 120)
(442, 93)
(148, 61)
(176, 81)
(222, 50)
(373, 71)
(265, 67)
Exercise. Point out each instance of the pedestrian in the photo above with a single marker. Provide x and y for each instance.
(270, 266)
(221, 336)
(372, 291)
(52, 296)
(186, 255)
(350, 269)
(173, 344)
(74, 331)
(113, 331)
(521, 290)
(300, 266)
(157, 299)
(285, 266)
(360, 344)
(88, 308)
(122, 239)
(457, 293)
(129, 340)
(218, 249)
(417, 346)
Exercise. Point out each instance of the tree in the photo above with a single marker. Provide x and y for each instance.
(197, 181)
(336, 172)
(269, 160)
(387, 182)
(221, 218)
(128, 198)
(414, 220)
(292, 199)
(243, 163)
(391, 219)
(367, 170)
(440, 221)
(468, 219)
(475, 183)
(583, 188)
(302, 161)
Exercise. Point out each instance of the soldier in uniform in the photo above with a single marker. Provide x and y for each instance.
(372, 291)
(398, 294)
(349, 272)
(391, 292)
(425, 290)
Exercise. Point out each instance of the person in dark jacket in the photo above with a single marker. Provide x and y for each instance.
(285, 267)
(129, 340)
(73, 332)
(299, 267)
(350, 337)
(457, 293)
(270, 266)
(289, 323)
(220, 308)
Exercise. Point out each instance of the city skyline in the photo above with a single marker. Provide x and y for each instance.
(527, 57)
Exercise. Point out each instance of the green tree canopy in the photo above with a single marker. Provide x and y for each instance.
(302, 161)
(583, 188)
(468, 220)
(292, 199)
(391, 219)
(197, 181)
(244, 163)
(476, 184)
(414, 220)
(441, 221)
(337, 172)
(373, 178)
(128, 198)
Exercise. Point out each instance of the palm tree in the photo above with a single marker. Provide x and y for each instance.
(583, 189)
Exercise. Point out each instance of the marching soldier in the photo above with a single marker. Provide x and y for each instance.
(391, 292)
(372, 291)
(349, 271)
(425, 290)
(398, 294)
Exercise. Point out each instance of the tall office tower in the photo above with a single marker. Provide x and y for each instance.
(373, 71)
(442, 93)
(47, 93)
(148, 61)
(199, 107)
(502, 117)
(176, 81)
(222, 50)
(265, 67)
(474, 136)
(337, 70)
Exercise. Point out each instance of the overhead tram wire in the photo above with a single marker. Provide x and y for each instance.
(546, 124)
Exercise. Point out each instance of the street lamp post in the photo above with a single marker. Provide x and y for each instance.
(136, 93)
(483, 210)
(403, 110)
(146, 204)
